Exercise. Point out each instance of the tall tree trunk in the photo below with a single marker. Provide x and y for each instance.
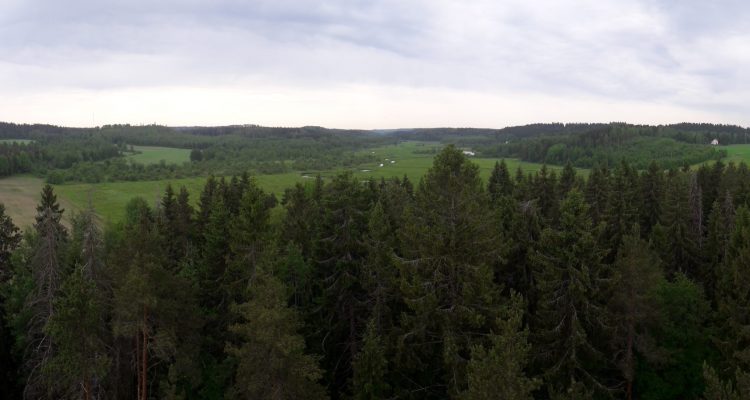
(144, 356)
(138, 365)
(629, 362)
(87, 389)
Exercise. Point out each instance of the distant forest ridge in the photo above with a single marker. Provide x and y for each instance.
(63, 154)
(31, 131)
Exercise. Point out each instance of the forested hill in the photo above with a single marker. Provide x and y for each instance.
(587, 145)
(621, 284)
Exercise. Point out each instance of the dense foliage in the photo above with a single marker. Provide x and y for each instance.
(96, 154)
(626, 284)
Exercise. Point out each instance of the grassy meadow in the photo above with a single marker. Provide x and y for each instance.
(19, 141)
(154, 155)
(20, 194)
(406, 159)
(737, 153)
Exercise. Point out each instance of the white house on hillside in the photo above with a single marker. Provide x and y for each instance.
(715, 142)
(469, 153)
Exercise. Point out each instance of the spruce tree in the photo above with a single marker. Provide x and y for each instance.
(10, 238)
(652, 192)
(339, 310)
(567, 180)
(380, 273)
(297, 226)
(371, 368)
(48, 206)
(47, 272)
(632, 305)
(249, 236)
(205, 203)
(269, 352)
(622, 208)
(500, 183)
(733, 296)
(681, 253)
(497, 371)
(80, 363)
(449, 242)
(682, 336)
(570, 309)
(716, 389)
(597, 192)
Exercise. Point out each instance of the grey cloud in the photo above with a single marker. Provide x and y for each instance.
(688, 52)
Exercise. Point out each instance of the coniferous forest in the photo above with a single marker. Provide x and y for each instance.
(627, 283)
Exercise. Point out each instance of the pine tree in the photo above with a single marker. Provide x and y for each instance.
(497, 372)
(570, 310)
(270, 354)
(152, 307)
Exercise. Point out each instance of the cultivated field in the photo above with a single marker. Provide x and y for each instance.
(154, 155)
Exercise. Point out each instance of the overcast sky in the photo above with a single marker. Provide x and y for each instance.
(374, 64)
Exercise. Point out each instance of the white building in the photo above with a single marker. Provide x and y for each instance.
(469, 153)
(715, 142)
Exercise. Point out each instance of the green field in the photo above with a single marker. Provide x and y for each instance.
(737, 153)
(109, 199)
(406, 161)
(20, 141)
(155, 155)
(20, 194)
